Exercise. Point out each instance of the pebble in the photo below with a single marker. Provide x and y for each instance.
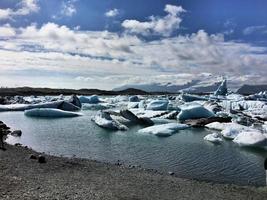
(41, 159)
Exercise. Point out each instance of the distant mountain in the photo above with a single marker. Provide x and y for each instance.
(203, 88)
(195, 87)
(27, 91)
(251, 89)
(158, 87)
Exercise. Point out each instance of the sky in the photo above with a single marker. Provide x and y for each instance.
(108, 43)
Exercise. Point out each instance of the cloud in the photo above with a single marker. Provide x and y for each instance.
(6, 31)
(26, 7)
(104, 59)
(112, 13)
(67, 9)
(255, 30)
(163, 26)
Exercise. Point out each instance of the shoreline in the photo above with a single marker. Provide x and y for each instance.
(78, 178)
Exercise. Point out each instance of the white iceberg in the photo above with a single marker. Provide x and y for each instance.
(50, 112)
(230, 132)
(133, 105)
(63, 105)
(164, 129)
(104, 120)
(214, 138)
(221, 126)
(251, 139)
(158, 105)
(194, 111)
(89, 99)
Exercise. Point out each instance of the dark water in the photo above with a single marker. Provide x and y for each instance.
(185, 153)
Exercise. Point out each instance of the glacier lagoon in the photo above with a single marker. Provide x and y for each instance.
(184, 153)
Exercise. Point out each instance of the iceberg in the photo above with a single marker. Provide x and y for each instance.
(222, 126)
(251, 139)
(164, 130)
(194, 111)
(214, 138)
(222, 89)
(90, 99)
(158, 105)
(50, 113)
(190, 98)
(75, 101)
(133, 105)
(104, 120)
(230, 132)
(134, 99)
(63, 105)
(88, 106)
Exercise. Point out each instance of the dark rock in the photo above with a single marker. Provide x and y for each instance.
(41, 159)
(16, 133)
(18, 144)
(33, 157)
(171, 173)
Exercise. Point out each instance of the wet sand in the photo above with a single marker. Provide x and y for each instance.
(73, 178)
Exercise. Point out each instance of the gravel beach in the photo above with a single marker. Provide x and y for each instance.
(72, 178)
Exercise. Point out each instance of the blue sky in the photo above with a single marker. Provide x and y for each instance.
(105, 44)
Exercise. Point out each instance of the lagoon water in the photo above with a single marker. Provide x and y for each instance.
(185, 153)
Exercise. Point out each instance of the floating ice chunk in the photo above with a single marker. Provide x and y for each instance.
(221, 126)
(161, 120)
(133, 105)
(190, 98)
(134, 98)
(63, 105)
(142, 104)
(148, 113)
(214, 138)
(75, 101)
(50, 112)
(230, 132)
(158, 105)
(90, 99)
(194, 111)
(222, 89)
(104, 120)
(163, 129)
(251, 138)
(87, 106)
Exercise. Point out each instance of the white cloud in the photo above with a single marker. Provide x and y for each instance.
(103, 59)
(112, 13)
(68, 8)
(255, 30)
(26, 7)
(163, 26)
(6, 31)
